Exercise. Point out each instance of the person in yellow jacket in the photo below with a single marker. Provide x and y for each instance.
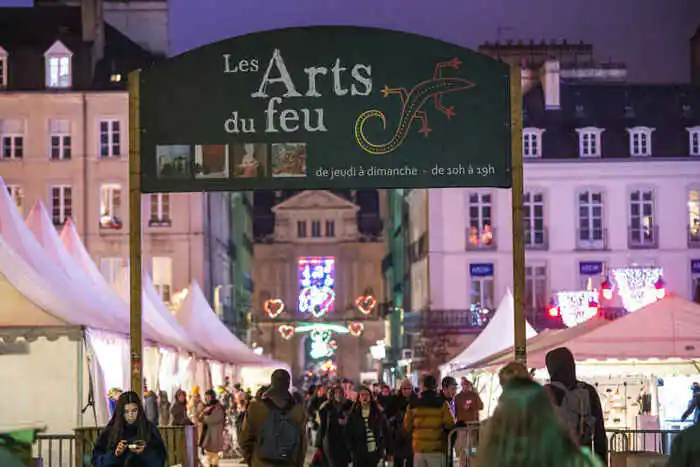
(428, 421)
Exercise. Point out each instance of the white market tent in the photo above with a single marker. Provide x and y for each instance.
(496, 337)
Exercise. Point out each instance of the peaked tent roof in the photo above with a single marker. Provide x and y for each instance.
(24, 261)
(496, 337)
(665, 329)
(43, 229)
(199, 319)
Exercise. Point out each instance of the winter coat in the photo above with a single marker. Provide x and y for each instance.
(255, 420)
(154, 455)
(150, 407)
(428, 420)
(179, 414)
(356, 433)
(163, 409)
(402, 447)
(467, 407)
(214, 421)
(331, 433)
(685, 449)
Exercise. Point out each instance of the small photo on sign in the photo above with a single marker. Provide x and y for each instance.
(211, 161)
(289, 160)
(173, 161)
(249, 160)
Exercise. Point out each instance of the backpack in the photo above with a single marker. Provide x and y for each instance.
(575, 412)
(280, 437)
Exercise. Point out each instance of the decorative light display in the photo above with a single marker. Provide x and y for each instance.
(320, 344)
(273, 307)
(637, 286)
(577, 307)
(366, 304)
(606, 289)
(356, 329)
(316, 284)
(286, 331)
(328, 367)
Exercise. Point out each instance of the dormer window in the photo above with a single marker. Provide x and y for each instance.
(589, 141)
(58, 66)
(3, 68)
(532, 143)
(640, 141)
(694, 134)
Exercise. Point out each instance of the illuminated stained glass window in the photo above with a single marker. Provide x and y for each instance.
(316, 285)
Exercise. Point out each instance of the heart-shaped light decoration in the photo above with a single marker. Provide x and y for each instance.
(356, 329)
(286, 331)
(273, 307)
(366, 304)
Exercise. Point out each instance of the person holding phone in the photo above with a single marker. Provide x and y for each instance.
(129, 439)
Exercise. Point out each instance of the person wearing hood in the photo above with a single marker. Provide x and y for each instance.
(269, 422)
(428, 420)
(178, 411)
(589, 429)
(213, 419)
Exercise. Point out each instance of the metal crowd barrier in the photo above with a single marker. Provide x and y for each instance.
(623, 445)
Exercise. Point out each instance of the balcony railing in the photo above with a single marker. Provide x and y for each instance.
(156, 222)
(643, 238)
(443, 322)
(591, 239)
(484, 240)
(537, 239)
(693, 236)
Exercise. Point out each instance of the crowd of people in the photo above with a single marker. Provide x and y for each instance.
(337, 424)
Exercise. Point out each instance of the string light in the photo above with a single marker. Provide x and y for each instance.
(286, 331)
(366, 304)
(577, 307)
(316, 284)
(356, 329)
(273, 307)
(606, 289)
(637, 286)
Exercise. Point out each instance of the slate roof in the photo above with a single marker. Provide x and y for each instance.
(27, 32)
(669, 109)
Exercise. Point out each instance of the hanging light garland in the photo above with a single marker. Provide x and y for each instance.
(366, 304)
(356, 329)
(273, 307)
(577, 307)
(286, 331)
(637, 286)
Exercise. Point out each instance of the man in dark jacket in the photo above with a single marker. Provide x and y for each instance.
(685, 450)
(694, 405)
(562, 372)
(428, 420)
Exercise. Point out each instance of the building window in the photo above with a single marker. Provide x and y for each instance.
(330, 228)
(110, 138)
(111, 268)
(110, 206)
(589, 142)
(60, 139)
(480, 233)
(58, 66)
(160, 209)
(61, 203)
(590, 220)
(17, 195)
(301, 229)
(532, 143)
(12, 139)
(315, 229)
(535, 235)
(694, 218)
(642, 230)
(640, 141)
(163, 276)
(481, 286)
(694, 137)
(3, 68)
(535, 289)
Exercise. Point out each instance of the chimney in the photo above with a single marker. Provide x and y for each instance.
(549, 76)
(93, 27)
(695, 58)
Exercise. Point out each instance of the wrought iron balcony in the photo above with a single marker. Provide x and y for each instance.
(592, 239)
(443, 322)
(693, 236)
(484, 240)
(156, 222)
(537, 239)
(643, 238)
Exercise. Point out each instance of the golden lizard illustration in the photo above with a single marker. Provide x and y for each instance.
(413, 102)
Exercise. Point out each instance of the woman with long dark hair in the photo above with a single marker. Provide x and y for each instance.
(333, 418)
(525, 431)
(366, 431)
(129, 439)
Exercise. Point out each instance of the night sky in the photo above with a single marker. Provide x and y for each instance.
(651, 36)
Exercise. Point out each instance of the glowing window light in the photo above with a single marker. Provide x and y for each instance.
(316, 285)
(577, 307)
(637, 286)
